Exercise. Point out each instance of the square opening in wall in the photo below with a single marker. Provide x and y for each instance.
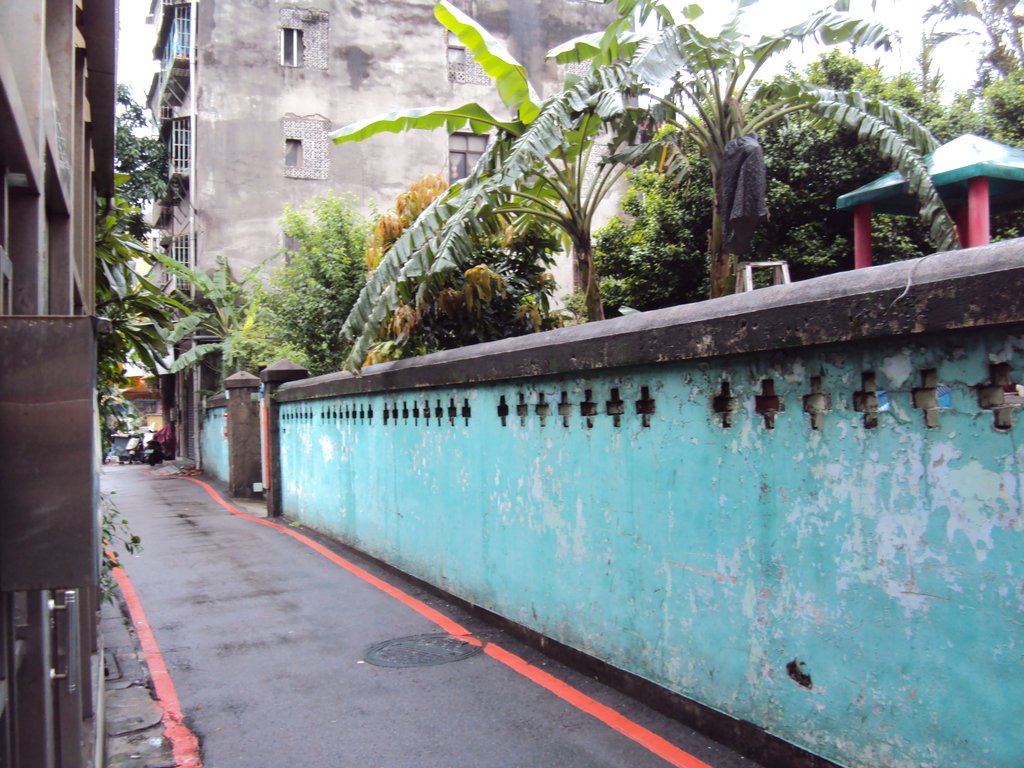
(292, 153)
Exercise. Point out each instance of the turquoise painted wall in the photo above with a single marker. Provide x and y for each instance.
(885, 563)
(213, 443)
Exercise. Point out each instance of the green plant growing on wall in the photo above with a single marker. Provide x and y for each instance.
(115, 534)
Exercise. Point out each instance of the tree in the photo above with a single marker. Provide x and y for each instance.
(998, 21)
(214, 317)
(302, 307)
(139, 312)
(441, 239)
(140, 158)
(656, 256)
(556, 178)
(715, 98)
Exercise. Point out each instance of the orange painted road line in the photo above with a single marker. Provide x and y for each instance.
(645, 738)
(649, 740)
(184, 743)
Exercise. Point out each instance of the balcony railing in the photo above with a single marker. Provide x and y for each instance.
(176, 55)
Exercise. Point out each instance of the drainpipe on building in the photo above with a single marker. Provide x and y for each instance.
(192, 240)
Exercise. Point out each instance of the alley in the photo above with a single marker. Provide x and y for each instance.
(265, 639)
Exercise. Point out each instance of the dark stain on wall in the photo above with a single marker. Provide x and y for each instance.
(358, 63)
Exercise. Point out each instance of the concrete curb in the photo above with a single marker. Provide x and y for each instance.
(134, 731)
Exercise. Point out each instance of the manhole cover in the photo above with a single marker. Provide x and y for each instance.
(420, 651)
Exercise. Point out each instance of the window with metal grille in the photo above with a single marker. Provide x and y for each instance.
(464, 149)
(180, 150)
(292, 50)
(306, 144)
(181, 252)
(179, 41)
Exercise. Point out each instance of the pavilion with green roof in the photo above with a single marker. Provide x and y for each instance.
(973, 176)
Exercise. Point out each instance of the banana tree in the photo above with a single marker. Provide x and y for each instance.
(218, 313)
(140, 313)
(541, 165)
(714, 97)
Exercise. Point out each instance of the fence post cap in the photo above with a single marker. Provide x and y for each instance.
(282, 371)
(242, 380)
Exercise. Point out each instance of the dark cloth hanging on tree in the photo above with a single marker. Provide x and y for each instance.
(741, 193)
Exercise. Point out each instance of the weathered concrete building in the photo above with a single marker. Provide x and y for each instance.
(56, 154)
(248, 92)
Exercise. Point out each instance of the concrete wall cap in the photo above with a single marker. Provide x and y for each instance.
(969, 288)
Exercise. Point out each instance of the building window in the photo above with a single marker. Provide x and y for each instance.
(304, 37)
(181, 252)
(292, 48)
(456, 54)
(292, 153)
(464, 150)
(306, 145)
(463, 68)
(180, 149)
(6, 283)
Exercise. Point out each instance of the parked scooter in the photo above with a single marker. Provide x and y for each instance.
(134, 450)
(154, 453)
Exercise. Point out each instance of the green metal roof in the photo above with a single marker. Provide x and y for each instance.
(951, 166)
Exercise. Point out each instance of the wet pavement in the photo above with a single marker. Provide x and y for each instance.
(266, 641)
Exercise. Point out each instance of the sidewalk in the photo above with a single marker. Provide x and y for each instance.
(133, 718)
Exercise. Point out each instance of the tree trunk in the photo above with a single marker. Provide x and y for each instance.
(588, 281)
(722, 265)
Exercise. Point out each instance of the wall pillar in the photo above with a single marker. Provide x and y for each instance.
(274, 376)
(243, 434)
(862, 236)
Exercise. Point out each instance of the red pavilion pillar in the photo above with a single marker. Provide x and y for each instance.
(862, 236)
(978, 232)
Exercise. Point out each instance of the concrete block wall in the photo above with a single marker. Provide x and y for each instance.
(800, 507)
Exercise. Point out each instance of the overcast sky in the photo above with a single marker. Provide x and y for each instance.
(956, 59)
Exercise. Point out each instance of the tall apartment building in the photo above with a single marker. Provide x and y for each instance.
(56, 154)
(248, 92)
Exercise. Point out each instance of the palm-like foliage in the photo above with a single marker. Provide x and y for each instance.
(219, 312)
(543, 166)
(531, 164)
(140, 313)
(714, 87)
(1000, 22)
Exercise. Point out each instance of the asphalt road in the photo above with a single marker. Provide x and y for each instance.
(265, 639)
